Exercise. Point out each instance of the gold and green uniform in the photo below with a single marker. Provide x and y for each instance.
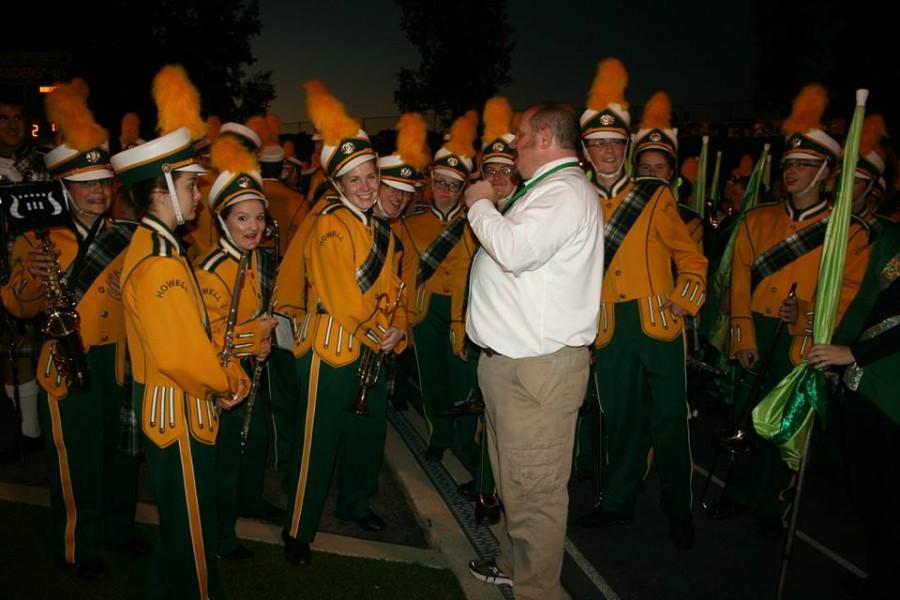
(176, 377)
(287, 207)
(239, 475)
(639, 355)
(93, 487)
(759, 480)
(439, 328)
(352, 267)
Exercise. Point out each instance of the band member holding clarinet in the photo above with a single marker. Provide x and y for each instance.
(353, 297)
(179, 381)
(69, 273)
(235, 290)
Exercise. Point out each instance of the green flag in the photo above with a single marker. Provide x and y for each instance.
(700, 184)
(784, 415)
(715, 194)
(717, 330)
(767, 174)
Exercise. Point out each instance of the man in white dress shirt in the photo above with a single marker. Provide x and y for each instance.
(533, 308)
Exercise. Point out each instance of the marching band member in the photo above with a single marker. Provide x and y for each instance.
(178, 379)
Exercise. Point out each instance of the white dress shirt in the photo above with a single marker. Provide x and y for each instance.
(535, 282)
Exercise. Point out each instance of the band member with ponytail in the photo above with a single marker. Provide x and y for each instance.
(179, 381)
(355, 305)
(238, 206)
(93, 488)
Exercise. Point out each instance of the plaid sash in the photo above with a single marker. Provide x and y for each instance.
(102, 249)
(368, 272)
(787, 251)
(618, 226)
(435, 254)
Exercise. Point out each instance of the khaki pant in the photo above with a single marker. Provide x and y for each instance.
(531, 409)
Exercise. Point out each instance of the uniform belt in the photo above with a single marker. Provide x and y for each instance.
(490, 352)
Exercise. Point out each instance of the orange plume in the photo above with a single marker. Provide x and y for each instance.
(328, 114)
(807, 111)
(745, 168)
(131, 129)
(411, 141)
(213, 125)
(260, 127)
(873, 130)
(514, 124)
(66, 106)
(289, 150)
(689, 169)
(228, 154)
(177, 101)
(609, 85)
(81, 86)
(273, 122)
(497, 118)
(462, 135)
(657, 112)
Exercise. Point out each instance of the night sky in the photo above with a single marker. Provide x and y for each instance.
(699, 52)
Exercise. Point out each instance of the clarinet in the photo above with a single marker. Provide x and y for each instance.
(228, 345)
(254, 389)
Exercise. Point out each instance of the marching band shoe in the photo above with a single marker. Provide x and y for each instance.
(600, 517)
(371, 522)
(239, 552)
(489, 512)
(681, 532)
(134, 546)
(724, 509)
(295, 552)
(90, 569)
(467, 491)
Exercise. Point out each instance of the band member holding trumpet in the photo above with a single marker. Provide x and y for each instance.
(178, 379)
(353, 297)
(238, 206)
(72, 273)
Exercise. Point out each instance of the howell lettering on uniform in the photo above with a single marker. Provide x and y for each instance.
(172, 283)
(331, 234)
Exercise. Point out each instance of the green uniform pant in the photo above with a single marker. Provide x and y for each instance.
(184, 483)
(327, 423)
(642, 390)
(759, 478)
(239, 476)
(93, 487)
(445, 379)
(285, 387)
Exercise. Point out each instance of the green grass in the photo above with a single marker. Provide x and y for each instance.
(27, 571)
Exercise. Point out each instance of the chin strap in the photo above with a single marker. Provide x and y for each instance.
(815, 180)
(173, 197)
(225, 231)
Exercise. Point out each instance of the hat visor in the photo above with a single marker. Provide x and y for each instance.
(244, 197)
(499, 159)
(191, 168)
(355, 162)
(399, 185)
(449, 173)
(605, 135)
(92, 175)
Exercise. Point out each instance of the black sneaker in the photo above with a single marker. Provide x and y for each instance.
(681, 532)
(488, 572)
(295, 552)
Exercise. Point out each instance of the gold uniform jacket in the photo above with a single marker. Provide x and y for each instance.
(292, 284)
(345, 316)
(100, 309)
(287, 207)
(762, 228)
(423, 227)
(217, 274)
(642, 268)
(172, 355)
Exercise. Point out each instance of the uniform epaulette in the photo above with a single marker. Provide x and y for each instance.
(332, 207)
(214, 260)
(162, 246)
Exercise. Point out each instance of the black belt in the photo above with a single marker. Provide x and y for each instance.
(490, 352)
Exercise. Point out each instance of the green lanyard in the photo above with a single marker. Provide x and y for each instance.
(521, 192)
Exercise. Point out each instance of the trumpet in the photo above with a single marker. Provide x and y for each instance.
(370, 361)
(63, 322)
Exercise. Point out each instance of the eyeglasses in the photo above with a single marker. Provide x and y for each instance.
(800, 164)
(603, 144)
(447, 186)
(494, 171)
